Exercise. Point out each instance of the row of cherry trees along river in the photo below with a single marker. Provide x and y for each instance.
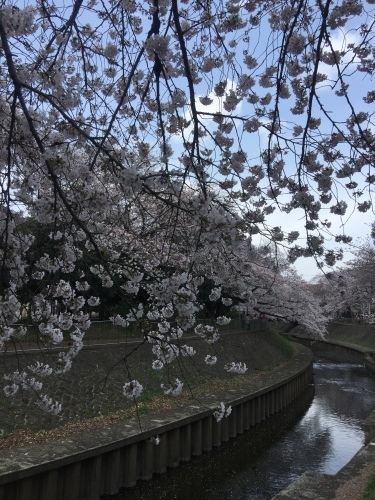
(146, 146)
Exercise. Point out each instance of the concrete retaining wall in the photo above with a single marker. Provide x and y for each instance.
(85, 466)
(353, 337)
(333, 350)
(339, 352)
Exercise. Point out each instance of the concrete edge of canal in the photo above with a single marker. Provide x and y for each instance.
(313, 485)
(99, 462)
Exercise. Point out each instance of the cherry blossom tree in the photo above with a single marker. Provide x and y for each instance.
(357, 280)
(349, 291)
(361, 270)
(159, 137)
(333, 293)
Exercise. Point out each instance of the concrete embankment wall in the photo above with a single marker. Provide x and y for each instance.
(339, 352)
(332, 350)
(99, 462)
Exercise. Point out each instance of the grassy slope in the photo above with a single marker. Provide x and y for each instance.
(362, 335)
(92, 392)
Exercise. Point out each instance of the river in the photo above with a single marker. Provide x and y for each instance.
(319, 432)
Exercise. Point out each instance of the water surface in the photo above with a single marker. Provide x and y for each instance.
(320, 433)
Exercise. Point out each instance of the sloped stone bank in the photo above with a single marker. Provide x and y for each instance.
(99, 462)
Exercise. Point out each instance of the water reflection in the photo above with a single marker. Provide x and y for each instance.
(320, 434)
